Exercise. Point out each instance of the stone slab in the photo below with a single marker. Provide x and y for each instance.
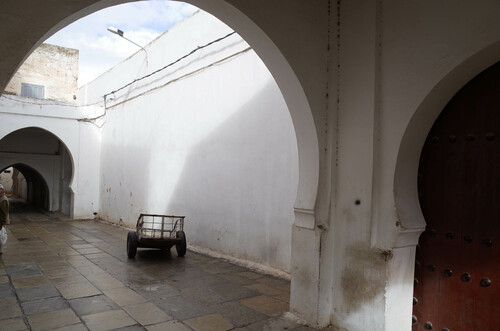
(108, 320)
(147, 313)
(266, 305)
(124, 296)
(16, 324)
(170, 326)
(214, 322)
(53, 319)
(78, 290)
(92, 305)
(37, 292)
(44, 305)
(23, 270)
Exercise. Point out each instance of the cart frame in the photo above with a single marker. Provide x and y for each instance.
(157, 231)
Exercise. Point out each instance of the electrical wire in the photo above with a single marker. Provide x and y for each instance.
(90, 120)
(180, 78)
(93, 119)
(54, 103)
(171, 63)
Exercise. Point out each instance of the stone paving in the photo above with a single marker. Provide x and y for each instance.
(59, 274)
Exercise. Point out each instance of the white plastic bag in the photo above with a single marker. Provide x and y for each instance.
(3, 236)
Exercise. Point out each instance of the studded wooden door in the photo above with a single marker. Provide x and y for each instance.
(457, 267)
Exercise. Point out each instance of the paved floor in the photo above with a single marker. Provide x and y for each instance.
(58, 274)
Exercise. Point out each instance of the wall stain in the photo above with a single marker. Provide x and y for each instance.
(364, 275)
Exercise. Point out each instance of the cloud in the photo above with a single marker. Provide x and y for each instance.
(100, 50)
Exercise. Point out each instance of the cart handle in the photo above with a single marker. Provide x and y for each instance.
(157, 215)
(180, 226)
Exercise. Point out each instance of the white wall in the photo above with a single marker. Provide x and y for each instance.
(65, 197)
(210, 140)
(20, 185)
(6, 179)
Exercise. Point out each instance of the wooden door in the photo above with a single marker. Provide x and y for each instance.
(457, 267)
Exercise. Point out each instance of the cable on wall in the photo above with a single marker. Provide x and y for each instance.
(179, 78)
(93, 119)
(171, 63)
(53, 103)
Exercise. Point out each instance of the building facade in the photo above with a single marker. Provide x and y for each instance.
(50, 72)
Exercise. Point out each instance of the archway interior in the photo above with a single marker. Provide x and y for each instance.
(42, 168)
(27, 186)
(293, 91)
(459, 187)
(307, 142)
(289, 85)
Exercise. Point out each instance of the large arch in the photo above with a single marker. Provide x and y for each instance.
(275, 61)
(56, 167)
(64, 136)
(276, 46)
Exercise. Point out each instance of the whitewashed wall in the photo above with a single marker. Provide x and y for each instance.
(210, 138)
(20, 185)
(6, 179)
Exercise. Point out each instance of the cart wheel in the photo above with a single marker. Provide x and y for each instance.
(182, 247)
(131, 244)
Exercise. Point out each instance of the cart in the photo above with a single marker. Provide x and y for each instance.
(157, 231)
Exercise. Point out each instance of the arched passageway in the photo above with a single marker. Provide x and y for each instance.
(45, 164)
(29, 186)
(306, 238)
(240, 20)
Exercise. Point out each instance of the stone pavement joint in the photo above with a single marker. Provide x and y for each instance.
(57, 273)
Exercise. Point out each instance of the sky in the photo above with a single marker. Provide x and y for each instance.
(100, 50)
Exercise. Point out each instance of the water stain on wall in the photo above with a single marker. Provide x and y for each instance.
(363, 278)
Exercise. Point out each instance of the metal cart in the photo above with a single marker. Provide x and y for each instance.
(157, 231)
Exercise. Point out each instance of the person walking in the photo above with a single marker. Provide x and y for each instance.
(4, 210)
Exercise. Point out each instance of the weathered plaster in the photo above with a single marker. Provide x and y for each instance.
(53, 67)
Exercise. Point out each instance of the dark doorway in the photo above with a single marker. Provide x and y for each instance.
(457, 270)
(29, 186)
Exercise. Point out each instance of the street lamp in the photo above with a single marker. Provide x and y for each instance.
(120, 33)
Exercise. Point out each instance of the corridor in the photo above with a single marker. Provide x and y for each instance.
(60, 274)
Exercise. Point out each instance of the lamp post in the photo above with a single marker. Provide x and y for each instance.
(120, 33)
